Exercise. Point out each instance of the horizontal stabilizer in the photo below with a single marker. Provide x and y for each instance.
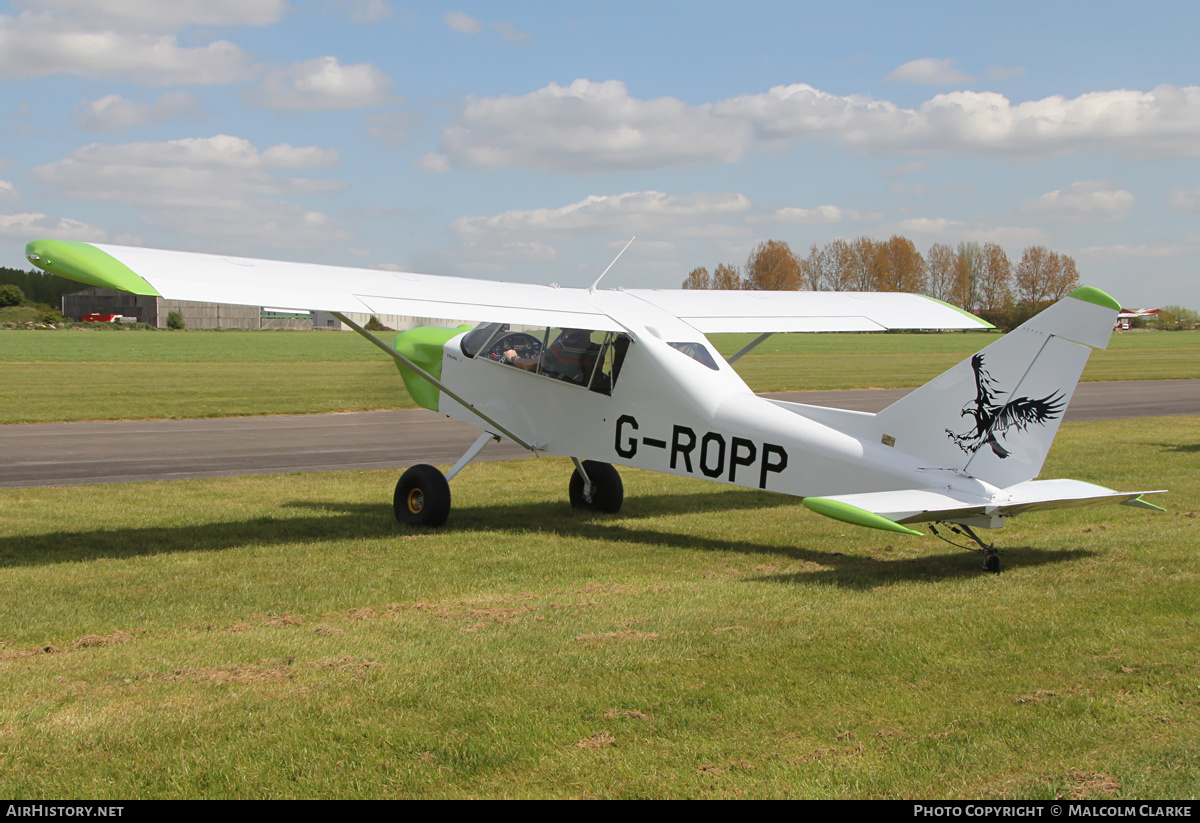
(894, 510)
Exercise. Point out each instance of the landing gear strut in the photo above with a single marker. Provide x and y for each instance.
(991, 560)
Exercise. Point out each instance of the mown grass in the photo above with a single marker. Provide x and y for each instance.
(86, 375)
(283, 637)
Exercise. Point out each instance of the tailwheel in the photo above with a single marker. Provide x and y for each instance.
(991, 560)
(606, 492)
(422, 497)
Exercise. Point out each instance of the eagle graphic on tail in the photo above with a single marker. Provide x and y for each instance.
(994, 418)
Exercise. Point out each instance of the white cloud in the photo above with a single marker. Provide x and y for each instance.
(510, 33)
(462, 22)
(821, 215)
(930, 71)
(155, 15)
(369, 11)
(113, 114)
(651, 213)
(995, 72)
(392, 127)
(1147, 250)
(529, 250)
(905, 169)
(221, 186)
(200, 169)
(945, 230)
(1184, 200)
(493, 245)
(433, 163)
(322, 84)
(35, 224)
(1163, 121)
(922, 190)
(7, 192)
(32, 46)
(1081, 203)
(589, 127)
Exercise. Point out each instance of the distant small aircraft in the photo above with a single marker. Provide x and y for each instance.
(627, 377)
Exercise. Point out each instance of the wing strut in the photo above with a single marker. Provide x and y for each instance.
(749, 347)
(424, 375)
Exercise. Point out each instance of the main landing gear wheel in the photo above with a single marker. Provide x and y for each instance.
(991, 563)
(422, 497)
(608, 493)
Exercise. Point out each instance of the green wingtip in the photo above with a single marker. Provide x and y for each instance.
(87, 264)
(847, 513)
(1090, 294)
(983, 323)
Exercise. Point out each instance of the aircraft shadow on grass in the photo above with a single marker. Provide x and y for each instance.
(339, 521)
(1185, 448)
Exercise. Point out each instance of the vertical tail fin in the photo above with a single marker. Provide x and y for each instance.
(994, 415)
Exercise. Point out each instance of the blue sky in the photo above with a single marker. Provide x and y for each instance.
(529, 141)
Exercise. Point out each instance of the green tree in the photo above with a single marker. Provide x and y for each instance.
(1176, 318)
(175, 320)
(11, 295)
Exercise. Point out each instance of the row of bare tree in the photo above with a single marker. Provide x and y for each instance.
(979, 277)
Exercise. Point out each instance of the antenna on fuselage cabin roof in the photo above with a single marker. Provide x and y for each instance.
(613, 263)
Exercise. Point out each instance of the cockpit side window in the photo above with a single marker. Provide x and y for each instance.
(582, 357)
(698, 352)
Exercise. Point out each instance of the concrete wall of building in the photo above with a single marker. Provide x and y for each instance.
(399, 322)
(108, 301)
(210, 315)
(154, 310)
(293, 323)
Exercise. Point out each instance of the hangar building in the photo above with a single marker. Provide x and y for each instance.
(153, 311)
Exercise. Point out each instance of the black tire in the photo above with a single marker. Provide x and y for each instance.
(422, 497)
(992, 563)
(609, 492)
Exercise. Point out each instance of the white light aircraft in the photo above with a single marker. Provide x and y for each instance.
(627, 377)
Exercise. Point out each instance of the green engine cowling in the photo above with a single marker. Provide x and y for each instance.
(423, 346)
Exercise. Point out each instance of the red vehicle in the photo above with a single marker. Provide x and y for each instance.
(101, 318)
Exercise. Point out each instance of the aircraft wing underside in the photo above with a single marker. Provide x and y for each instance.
(227, 279)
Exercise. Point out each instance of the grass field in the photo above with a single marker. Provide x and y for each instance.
(283, 637)
(51, 376)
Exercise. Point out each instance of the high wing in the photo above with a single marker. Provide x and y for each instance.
(714, 312)
(246, 281)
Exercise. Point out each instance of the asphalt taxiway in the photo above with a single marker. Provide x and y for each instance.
(64, 454)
